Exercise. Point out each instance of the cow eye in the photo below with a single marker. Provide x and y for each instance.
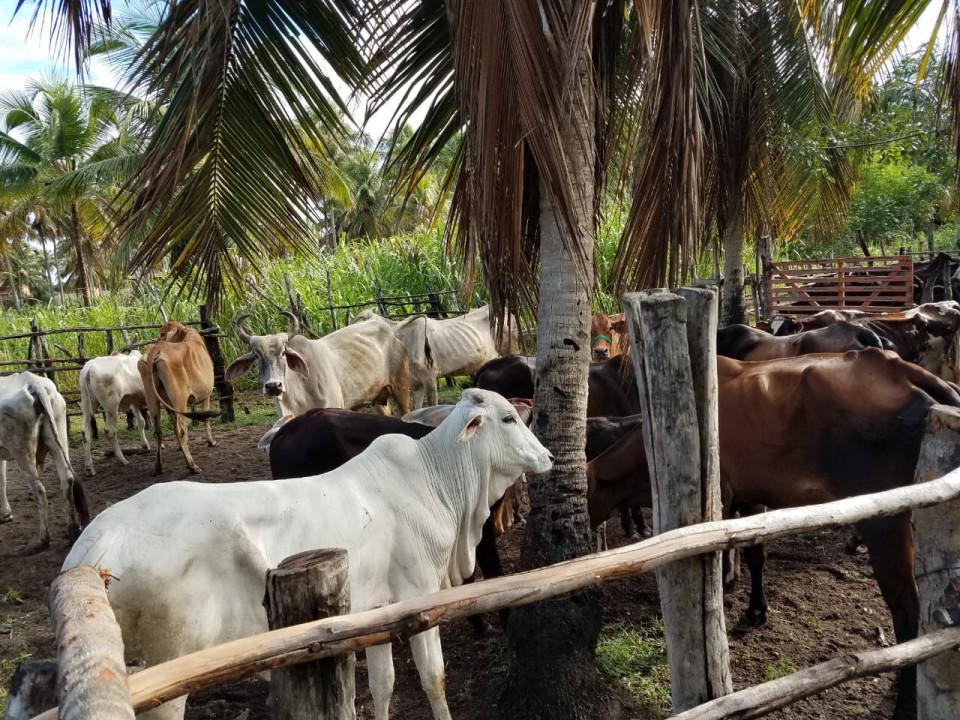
(510, 419)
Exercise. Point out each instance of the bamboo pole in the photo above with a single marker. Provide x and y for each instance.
(334, 636)
(91, 675)
(760, 700)
(936, 536)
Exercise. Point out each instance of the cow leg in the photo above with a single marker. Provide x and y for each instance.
(210, 441)
(141, 425)
(433, 395)
(890, 542)
(153, 407)
(488, 560)
(380, 676)
(626, 522)
(28, 468)
(180, 427)
(86, 420)
(755, 556)
(400, 389)
(636, 512)
(428, 657)
(110, 428)
(6, 513)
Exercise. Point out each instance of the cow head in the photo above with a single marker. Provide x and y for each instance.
(487, 422)
(172, 331)
(601, 336)
(272, 355)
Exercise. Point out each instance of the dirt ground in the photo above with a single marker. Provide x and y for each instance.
(823, 603)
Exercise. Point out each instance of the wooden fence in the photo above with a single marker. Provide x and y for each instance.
(685, 558)
(806, 287)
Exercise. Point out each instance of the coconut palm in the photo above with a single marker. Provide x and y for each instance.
(63, 153)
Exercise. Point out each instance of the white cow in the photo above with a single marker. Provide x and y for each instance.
(190, 558)
(33, 422)
(348, 368)
(111, 382)
(447, 348)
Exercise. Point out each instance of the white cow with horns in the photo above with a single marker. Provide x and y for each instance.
(33, 422)
(447, 348)
(190, 558)
(348, 368)
(112, 382)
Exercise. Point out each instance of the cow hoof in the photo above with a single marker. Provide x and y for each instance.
(646, 534)
(158, 470)
(123, 461)
(756, 616)
(211, 443)
(90, 472)
(634, 537)
(194, 470)
(6, 518)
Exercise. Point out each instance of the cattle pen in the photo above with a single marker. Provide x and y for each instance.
(689, 534)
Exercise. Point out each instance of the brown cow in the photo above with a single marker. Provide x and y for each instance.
(176, 372)
(741, 342)
(805, 430)
(608, 336)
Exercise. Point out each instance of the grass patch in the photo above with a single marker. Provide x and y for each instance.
(781, 668)
(11, 597)
(814, 624)
(635, 655)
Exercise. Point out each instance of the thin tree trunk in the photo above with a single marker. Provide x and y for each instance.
(553, 644)
(734, 307)
(82, 280)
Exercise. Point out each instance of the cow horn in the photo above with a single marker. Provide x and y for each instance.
(294, 323)
(238, 329)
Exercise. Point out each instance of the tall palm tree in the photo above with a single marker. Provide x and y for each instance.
(63, 152)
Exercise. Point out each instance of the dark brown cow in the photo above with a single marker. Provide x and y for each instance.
(612, 386)
(741, 342)
(928, 335)
(805, 430)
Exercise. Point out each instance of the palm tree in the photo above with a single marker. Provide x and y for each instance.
(62, 154)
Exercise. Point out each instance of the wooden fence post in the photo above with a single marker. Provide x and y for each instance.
(304, 587)
(223, 386)
(91, 675)
(675, 377)
(936, 533)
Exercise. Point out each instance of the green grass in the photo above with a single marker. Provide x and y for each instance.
(635, 655)
(781, 668)
(11, 597)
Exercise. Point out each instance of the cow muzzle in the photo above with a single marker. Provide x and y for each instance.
(274, 388)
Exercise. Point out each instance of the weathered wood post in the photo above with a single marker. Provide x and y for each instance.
(333, 311)
(91, 675)
(936, 533)
(310, 586)
(223, 386)
(674, 355)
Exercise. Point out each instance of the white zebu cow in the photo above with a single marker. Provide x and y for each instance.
(190, 558)
(111, 382)
(348, 368)
(447, 348)
(33, 422)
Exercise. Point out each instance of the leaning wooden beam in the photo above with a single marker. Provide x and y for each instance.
(761, 700)
(91, 675)
(335, 636)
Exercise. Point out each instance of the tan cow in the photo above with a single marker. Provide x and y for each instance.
(608, 336)
(176, 372)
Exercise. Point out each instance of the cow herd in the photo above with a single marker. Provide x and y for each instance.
(809, 413)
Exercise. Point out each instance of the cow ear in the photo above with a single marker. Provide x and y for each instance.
(619, 326)
(471, 428)
(296, 362)
(240, 366)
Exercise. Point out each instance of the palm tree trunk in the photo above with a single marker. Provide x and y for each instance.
(734, 309)
(82, 280)
(553, 644)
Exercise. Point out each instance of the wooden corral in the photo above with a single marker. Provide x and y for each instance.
(806, 287)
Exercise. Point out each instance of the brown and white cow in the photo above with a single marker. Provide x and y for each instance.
(349, 368)
(177, 371)
(608, 336)
(928, 335)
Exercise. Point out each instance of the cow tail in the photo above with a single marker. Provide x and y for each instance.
(76, 496)
(189, 414)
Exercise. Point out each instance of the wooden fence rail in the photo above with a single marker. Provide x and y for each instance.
(336, 636)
